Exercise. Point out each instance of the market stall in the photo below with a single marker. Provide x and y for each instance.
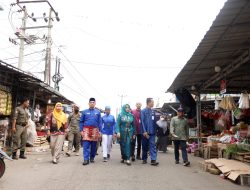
(14, 84)
(221, 65)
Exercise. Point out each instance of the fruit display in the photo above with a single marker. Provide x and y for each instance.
(5, 103)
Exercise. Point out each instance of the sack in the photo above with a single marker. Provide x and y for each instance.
(31, 132)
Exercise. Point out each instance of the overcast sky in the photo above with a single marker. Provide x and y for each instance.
(113, 47)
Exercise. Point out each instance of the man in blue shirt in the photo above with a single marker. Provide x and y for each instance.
(90, 125)
(108, 126)
(148, 127)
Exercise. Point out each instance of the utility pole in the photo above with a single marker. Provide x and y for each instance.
(47, 72)
(22, 37)
(30, 39)
(122, 96)
(57, 77)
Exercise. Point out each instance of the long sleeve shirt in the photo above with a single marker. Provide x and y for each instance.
(148, 121)
(125, 125)
(137, 116)
(52, 125)
(108, 124)
(91, 118)
(179, 127)
(73, 122)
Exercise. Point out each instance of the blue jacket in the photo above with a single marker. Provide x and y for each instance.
(148, 121)
(108, 124)
(91, 117)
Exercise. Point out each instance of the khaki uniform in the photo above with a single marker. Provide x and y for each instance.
(74, 131)
(20, 137)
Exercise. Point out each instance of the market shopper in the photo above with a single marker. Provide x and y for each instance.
(162, 134)
(125, 130)
(57, 125)
(74, 135)
(179, 131)
(148, 127)
(19, 128)
(137, 115)
(90, 125)
(108, 126)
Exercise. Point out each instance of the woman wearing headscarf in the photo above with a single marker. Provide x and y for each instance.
(108, 126)
(162, 134)
(125, 130)
(57, 124)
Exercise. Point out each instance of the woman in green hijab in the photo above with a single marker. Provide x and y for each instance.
(125, 130)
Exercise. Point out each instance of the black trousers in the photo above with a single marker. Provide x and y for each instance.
(138, 139)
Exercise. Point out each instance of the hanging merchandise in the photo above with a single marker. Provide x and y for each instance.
(227, 103)
(237, 113)
(244, 101)
(5, 103)
(186, 99)
(216, 105)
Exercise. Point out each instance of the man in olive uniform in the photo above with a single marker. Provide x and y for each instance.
(180, 134)
(74, 131)
(19, 128)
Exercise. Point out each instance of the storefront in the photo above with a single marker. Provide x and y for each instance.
(221, 65)
(15, 84)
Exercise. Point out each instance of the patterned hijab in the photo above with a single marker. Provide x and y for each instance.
(59, 116)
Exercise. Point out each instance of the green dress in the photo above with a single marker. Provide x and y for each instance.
(125, 126)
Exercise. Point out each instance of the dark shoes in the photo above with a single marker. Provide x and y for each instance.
(14, 157)
(144, 162)
(133, 158)
(108, 156)
(154, 163)
(92, 160)
(186, 163)
(105, 159)
(86, 162)
(122, 160)
(177, 162)
(138, 158)
(22, 156)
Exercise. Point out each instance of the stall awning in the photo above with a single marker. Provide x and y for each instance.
(12, 76)
(226, 45)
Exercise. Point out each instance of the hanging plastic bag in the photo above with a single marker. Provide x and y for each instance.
(244, 101)
(227, 103)
(216, 105)
(237, 113)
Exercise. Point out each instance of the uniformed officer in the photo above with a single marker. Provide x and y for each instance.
(19, 128)
(74, 131)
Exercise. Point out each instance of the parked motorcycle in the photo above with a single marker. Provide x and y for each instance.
(3, 156)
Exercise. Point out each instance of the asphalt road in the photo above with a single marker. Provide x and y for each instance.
(38, 173)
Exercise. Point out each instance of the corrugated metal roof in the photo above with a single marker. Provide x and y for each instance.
(28, 81)
(227, 45)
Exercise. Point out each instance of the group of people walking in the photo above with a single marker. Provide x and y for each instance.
(132, 128)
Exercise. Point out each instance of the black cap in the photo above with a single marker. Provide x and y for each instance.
(92, 100)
